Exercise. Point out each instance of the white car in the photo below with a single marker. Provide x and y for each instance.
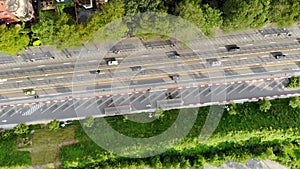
(111, 63)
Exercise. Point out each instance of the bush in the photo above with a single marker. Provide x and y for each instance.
(21, 129)
(54, 125)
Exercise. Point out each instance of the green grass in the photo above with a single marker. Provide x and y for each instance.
(9, 154)
(249, 127)
(45, 144)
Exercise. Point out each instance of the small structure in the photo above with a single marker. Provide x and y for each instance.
(87, 4)
(22, 9)
(275, 32)
(5, 15)
(46, 4)
(62, 1)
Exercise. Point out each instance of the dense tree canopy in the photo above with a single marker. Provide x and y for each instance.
(202, 16)
(13, 40)
(241, 14)
(58, 30)
(285, 12)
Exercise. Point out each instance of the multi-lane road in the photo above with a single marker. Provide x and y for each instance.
(249, 73)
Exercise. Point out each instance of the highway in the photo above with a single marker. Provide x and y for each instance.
(58, 80)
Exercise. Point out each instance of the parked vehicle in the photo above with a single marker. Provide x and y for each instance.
(278, 55)
(112, 61)
(136, 68)
(173, 55)
(175, 77)
(214, 62)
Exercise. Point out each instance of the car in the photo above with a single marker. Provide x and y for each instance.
(95, 71)
(232, 48)
(173, 55)
(175, 77)
(278, 55)
(136, 68)
(214, 62)
(29, 92)
(111, 61)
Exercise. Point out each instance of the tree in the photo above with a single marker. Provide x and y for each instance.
(213, 19)
(294, 102)
(294, 82)
(232, 109)
(284, 12)
(191, 11)
(13, 40)
(54, 125)
(202, 16)
(109, 12)
(264, 105)
(159, 113)
(141, 6)
(89, 122)
(245, 14)
(21, 129)
(59, 30)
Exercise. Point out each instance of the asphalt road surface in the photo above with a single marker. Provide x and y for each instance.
(55, 79)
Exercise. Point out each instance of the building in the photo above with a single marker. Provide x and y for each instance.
(16, 10)
(46, 4)
(5, 15)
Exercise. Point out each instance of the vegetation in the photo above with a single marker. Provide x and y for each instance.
(89, 122)
(250, 133)
(54, 125)
(13, 39)
(264, 105)
(46, 144)
(9, 154)
(294, 82)
(61, 30)
(295, 102)
(21, 129)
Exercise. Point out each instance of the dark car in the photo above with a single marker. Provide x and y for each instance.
(175, 77)
(136, 68)
(232, 48)
(173, 55)
(278, 55)
(95, 71)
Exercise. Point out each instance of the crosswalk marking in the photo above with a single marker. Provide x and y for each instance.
(32, 109)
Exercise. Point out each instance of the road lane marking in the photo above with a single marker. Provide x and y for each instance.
(105, 81)
(17, 68)
(19, 81)
(59, 77)
(67, 63)
(40, 79)
(53, 104)
(92, 61)
(41, 66)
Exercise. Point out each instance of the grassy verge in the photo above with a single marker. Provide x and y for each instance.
(250, 133)
(46, 144)
(10, 155)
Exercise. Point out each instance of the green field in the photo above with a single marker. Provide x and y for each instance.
(45, 147)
